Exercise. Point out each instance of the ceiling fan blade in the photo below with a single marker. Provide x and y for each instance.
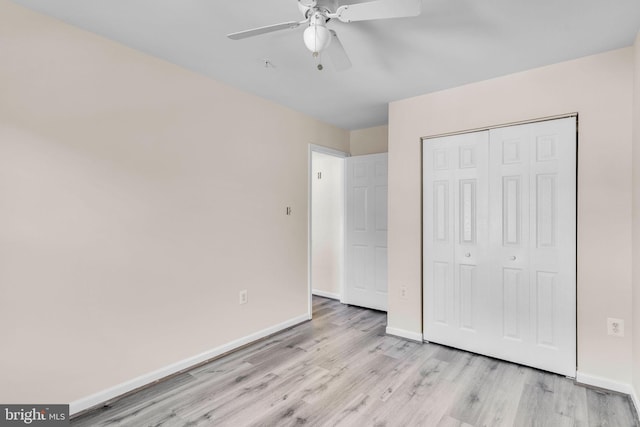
(337, 54)
(263, 30)
(379, 9)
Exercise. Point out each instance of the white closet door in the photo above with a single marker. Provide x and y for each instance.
(366, 232)
(455, 239)
(511, 292)
(533, 243)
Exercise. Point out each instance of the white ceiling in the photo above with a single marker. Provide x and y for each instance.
(452, 43)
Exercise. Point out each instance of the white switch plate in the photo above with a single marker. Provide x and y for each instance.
(615, 327)
(244, 297)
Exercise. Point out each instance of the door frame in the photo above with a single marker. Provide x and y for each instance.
(423, 139)
(313, 148)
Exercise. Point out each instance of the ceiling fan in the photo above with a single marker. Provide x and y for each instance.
(317, 13)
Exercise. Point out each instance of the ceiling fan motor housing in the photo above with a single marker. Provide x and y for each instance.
(307, 7)
(307, 3)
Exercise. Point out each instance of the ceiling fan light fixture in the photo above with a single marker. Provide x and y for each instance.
(317, 37)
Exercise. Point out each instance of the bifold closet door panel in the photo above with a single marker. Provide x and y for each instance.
(455, 226)
(533, 242)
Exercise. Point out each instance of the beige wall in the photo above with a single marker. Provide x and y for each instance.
(599, 88)
(327, 237)
(636, 220)
(369, 141)
(136, 200)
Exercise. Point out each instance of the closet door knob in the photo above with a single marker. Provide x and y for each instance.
(512, 258)
(467, 254)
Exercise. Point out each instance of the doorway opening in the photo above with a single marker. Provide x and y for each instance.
(326, 222)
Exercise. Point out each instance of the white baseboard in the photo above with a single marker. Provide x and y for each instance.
(605, 383)
(413, 336)
(325, 294)
(143, 380)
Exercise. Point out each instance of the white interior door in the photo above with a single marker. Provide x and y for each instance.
(366, 232)
(500, 243)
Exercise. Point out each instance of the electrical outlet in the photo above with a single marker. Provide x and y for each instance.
(615, 327)
(403, 292)
(244, 297)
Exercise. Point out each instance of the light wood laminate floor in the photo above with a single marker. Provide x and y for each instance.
(342, 369)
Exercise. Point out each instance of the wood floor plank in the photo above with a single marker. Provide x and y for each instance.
(571, 401)
(608, 410)
(274, 399)
(341, 369)
(447, 421)
(503, 397)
